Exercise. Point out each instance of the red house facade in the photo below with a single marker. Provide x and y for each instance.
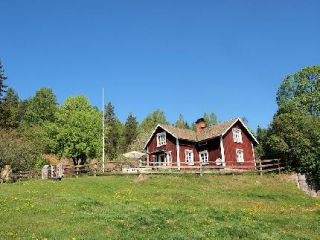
(229, 144)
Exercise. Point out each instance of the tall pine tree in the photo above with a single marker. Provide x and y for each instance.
(9, 110)
(113, 132)
(2, 85)
(130, 131)
(181, 123)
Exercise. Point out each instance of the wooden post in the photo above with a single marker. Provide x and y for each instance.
(260, 167)
(279, 170)
(201, 170)
(77, 170)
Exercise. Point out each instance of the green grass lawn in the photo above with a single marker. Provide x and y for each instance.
(161, 207)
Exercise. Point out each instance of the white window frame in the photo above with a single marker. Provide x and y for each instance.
(168, 158)
(205, 160)
(189, 156)
(161, 139)
(240, 155)
(237, 135)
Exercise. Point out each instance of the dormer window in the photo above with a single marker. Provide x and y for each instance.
(237, 136)
(161, 139)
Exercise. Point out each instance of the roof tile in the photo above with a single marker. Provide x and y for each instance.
(206, 133)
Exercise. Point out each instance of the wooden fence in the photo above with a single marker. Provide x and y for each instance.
(125, 168)
(269, 165)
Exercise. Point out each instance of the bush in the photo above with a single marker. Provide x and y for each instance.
(40, 162)
(18, 151)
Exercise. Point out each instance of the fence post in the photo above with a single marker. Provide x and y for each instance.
(201, 170)
(260, 167)
(279, 170)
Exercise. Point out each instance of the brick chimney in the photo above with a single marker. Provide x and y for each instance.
(200, 124)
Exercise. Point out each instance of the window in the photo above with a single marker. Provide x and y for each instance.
(168, 158)
(239, 154)
(237, 136)
(161, 139)
(189, 157)
(204, 157)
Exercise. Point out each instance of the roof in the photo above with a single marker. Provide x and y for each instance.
(205, 134)
(180, 133)
(215, 130)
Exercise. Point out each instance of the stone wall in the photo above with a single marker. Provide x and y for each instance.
(307, 184)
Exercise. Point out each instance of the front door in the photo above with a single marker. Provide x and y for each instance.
(161, 160)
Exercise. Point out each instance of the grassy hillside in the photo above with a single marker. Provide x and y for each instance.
(161, 207)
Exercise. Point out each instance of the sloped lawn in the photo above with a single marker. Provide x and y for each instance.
(161, 207)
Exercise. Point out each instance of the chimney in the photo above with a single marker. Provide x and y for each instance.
(200, 124)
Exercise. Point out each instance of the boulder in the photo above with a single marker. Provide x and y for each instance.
(6, 173)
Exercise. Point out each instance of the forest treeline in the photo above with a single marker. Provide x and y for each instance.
(39, 125)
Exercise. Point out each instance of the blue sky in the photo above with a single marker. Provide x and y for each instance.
(189, 57)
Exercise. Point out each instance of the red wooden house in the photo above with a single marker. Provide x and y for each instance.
(229, 144)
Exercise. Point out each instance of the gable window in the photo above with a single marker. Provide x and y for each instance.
(239, 154)
(204, 157)
(189, 157)
(161, 139)
(237, 136)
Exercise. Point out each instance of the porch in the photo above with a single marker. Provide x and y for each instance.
(160, 158)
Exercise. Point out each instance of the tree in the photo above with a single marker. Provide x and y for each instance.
(295, 137)
(130, 131)
(2, 85)
(303, 88)
(42, 107)
(113, 133)
(22, 110)
(210, 118)
(181, 123)
(17, 150)
(77, 130)
(152, 120)
(9, 117)
(262, 137)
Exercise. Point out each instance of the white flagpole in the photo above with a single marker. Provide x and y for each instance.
(103, 130)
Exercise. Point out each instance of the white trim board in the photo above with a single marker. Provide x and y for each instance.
(235, 121)
(154, 131)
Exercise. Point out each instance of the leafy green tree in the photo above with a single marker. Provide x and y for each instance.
(130, 131)
(113, 133)
(181, 123)
(303, 88)
(262, 137)
(152, 120)
(10, 110)
(77, 130)
(295, 136)
(42, 107)
(2, 85)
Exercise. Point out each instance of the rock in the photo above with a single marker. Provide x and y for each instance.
(141, 178)
(59, 170)
(6, 173)
(45, 172)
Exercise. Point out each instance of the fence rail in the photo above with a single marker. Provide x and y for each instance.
(125, 167)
